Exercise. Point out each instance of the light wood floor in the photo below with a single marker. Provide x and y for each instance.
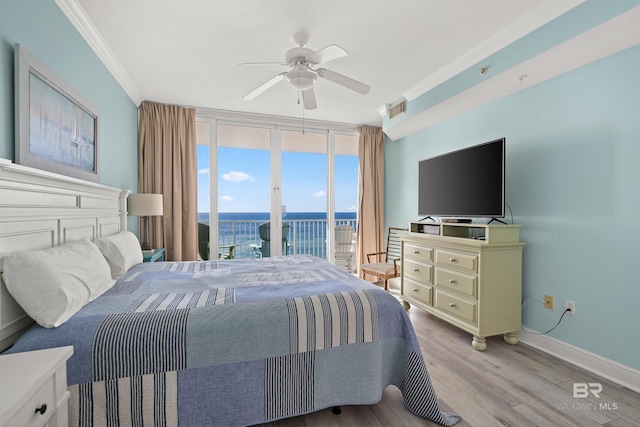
(502, 386)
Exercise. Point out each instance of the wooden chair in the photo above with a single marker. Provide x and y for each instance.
(386, 265)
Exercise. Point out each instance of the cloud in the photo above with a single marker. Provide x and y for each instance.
(320, 193)
(204, 171)
(236, 176)
(353, 208)
(226, 198)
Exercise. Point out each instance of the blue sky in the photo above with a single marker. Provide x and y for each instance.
(243, 181)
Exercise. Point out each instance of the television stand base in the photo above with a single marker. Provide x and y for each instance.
(496, 220)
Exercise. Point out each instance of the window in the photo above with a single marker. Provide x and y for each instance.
(275, 174)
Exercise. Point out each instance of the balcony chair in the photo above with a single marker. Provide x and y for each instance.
(227, 251)
(264, 248)
(386, 265)
(345, 247)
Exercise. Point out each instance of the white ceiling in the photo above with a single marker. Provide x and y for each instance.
(187, 52)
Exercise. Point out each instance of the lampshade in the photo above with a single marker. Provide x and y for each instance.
(145, 204)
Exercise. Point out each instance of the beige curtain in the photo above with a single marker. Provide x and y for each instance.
(370, 236)
(167, 165)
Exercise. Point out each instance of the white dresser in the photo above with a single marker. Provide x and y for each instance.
(33, 388)
(467, 274)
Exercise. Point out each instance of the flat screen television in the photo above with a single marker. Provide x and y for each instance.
(465, 183)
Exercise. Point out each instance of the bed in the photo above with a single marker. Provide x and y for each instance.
(205, 343)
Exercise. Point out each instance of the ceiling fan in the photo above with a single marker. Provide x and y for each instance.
(303, 73)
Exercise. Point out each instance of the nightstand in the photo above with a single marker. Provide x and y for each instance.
(153, 255)
(34, 388)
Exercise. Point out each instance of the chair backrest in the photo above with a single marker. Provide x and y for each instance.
(203, 241)
(264, 230)
(394, 244)
(344, 239)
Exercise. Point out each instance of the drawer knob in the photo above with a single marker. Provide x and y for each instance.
(452, 304)
(42, 409)
(416, 252)
(452, 281)
(452, 260)
(416, 270)
(416, 290)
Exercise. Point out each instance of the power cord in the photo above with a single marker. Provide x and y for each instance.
(556, 325)
(524, 301)
(507, 205)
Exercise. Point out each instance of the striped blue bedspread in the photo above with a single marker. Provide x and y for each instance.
(237, 342)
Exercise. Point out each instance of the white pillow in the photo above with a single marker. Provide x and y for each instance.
(121, 250)
(51, 285)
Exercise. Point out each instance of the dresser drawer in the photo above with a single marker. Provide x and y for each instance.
(418, 253)
(460, 282)
(458, 307)
(461, 260)
(27, 415)
(417, 290)
(417, 271)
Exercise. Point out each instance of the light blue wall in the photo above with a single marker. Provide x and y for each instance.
(41, 28)
(573, 182)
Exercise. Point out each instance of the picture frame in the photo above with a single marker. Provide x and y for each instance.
(57, 129)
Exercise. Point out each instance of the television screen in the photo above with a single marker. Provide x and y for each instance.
(464, 183)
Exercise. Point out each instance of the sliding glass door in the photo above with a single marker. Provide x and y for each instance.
(244, 189)
(304, 191)
(270, 183)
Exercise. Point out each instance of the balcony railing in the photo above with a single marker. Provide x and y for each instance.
(305, 236)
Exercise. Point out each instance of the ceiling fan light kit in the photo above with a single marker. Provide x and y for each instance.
(301, 79)
(303, 75)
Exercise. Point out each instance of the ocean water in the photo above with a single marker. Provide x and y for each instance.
(307, 230)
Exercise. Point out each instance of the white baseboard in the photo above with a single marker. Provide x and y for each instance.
(609, 369)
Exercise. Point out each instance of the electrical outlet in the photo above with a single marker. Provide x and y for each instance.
(571, 306)
(548, 302)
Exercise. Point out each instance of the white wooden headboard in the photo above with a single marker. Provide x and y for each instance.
(40, 209)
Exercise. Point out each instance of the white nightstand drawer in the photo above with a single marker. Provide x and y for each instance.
(38, 409)
(31, 380)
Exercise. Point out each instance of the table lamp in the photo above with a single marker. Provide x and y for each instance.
(145, 205)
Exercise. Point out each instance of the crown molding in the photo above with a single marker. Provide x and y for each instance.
(608, 38)
(79, 19)
(272, 120)
(542, 15)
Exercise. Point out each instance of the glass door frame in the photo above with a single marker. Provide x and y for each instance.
(276, 125)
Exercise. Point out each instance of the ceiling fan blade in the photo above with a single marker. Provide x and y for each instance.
(345, 81)
(264, 86)
(263, 63)
(326, 54)
(309, 99)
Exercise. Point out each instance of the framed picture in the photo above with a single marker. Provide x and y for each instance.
(56, 127)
